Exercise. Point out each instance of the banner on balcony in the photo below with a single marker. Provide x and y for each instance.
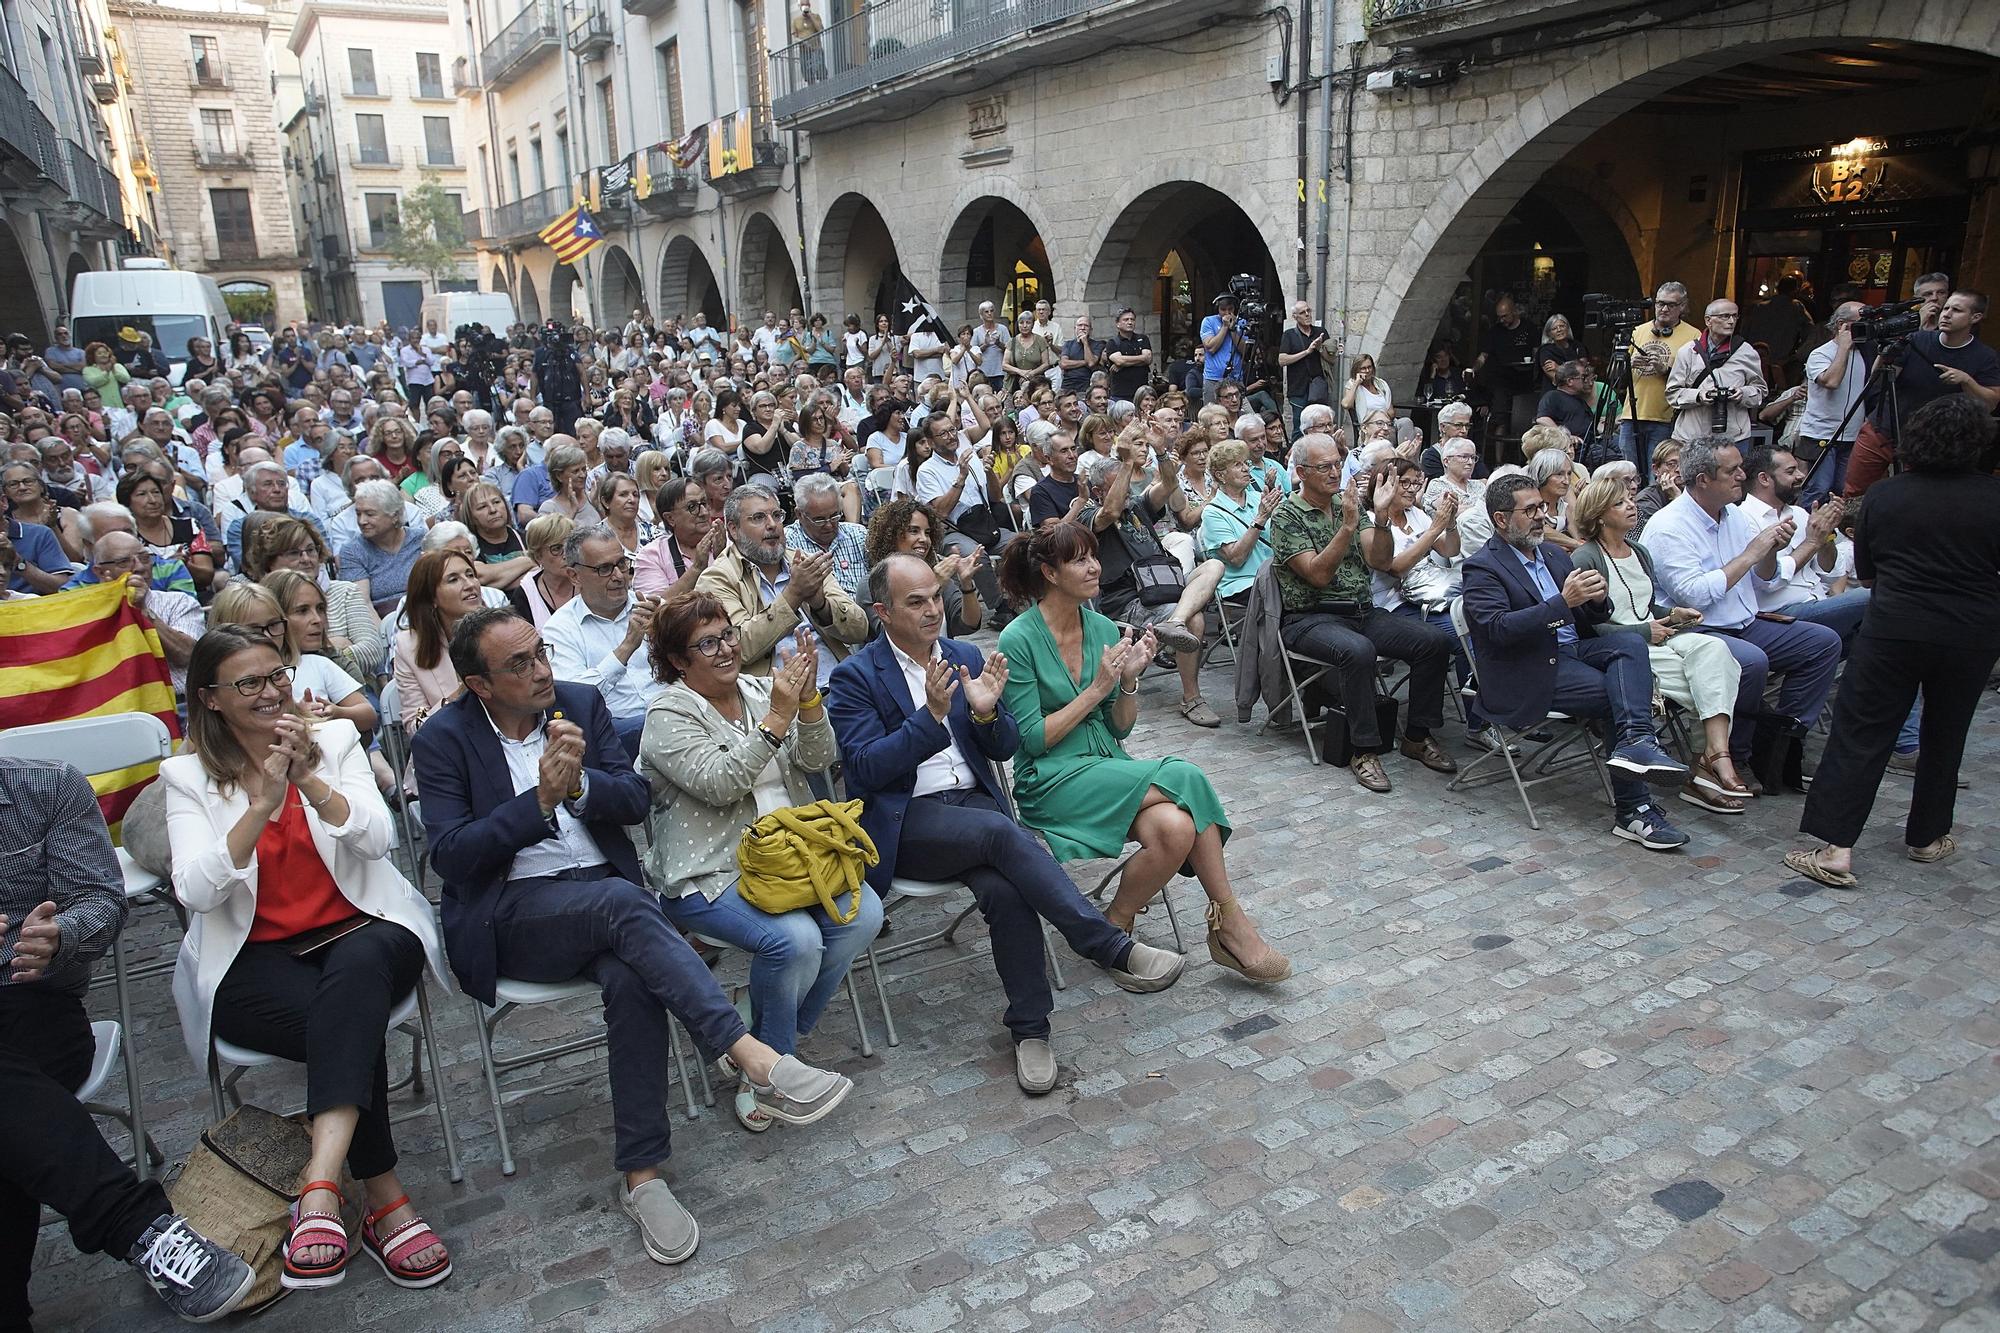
(593, 198)
(685, 151)
(616, 182)
(642, 179)
(573, 235)
(729, 148)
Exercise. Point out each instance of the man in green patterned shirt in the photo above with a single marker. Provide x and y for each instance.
(1330, 615)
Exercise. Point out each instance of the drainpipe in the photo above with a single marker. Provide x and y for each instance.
(721, 200)
(798, 182)
(1325, 243)
(1305, 156)
(1346, 223)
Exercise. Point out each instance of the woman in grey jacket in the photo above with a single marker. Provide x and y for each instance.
(721, 749)
(1696, 671)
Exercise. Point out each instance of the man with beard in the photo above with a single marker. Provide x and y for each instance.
(769, 591)
(1774, 477)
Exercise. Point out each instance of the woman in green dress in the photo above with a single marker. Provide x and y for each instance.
(1073, 690)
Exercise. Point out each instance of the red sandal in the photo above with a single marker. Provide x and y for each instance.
(391, 1251)
(311, 1231)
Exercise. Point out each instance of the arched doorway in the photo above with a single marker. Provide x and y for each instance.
(856, 268)
(619, 280)
(994, 252)
(251, 302)
(78, 266)
(566, 300)
(20, 308)
(527, 304)
(687, 283)
(769, 280)
(1170, 253)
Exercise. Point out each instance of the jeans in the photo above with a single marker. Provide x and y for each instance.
(1609, 677)
(1352, 643)
(328, 1010)
(613, 931)
(1806, 655)
(1841, 614)
(1828, 474)
(50, 1149)
(797, 959)
(1474, 719)
(1638, 439)
(963, 835)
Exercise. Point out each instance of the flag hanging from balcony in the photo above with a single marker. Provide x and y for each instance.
(642, 179)
(615, 181)
(685, 151)
(86, 653)
(573, 235)
(729, 148)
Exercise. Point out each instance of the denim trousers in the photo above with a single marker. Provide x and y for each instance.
(614, 932)
(1638, 439)
(797, 959)
(963, 835)
(1806, 655)
(1609, 677)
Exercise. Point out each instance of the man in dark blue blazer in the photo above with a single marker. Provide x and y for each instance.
(1528, 609)
(526, 794)
(921, 723)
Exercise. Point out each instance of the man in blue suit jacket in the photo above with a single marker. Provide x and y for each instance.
(526, 795)
(1526, 606)
(921, 723)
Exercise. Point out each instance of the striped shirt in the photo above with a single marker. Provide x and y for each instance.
(55, 848)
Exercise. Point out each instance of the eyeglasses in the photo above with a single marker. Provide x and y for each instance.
(525, 664)
(1316, 467)
(301, 553)
(710, 645)
(1535, 510)
(122, 565)
(252, 686)
(609, 567)
(821, 521)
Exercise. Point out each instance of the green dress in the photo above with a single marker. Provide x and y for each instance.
(1083, 793)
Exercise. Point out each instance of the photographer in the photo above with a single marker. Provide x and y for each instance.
(1836, 373)
(1222, 339)
(1647, 419)
(1716, 383)
(1934, 362)
(1506, 369)
(1303, 355)
(556, 371)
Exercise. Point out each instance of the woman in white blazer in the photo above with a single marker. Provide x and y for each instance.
(302, 936)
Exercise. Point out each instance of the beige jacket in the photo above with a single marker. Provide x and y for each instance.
(731, 580)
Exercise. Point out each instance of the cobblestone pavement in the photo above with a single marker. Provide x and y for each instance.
(1518, 1080)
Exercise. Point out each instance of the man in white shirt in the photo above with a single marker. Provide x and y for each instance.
(433, 340)
(598, 637)
(953, 482)
(989, 343)
(1712, 556)
(926, 351)
(767, 336)
(1836, 373)
(1772, 480)
(704, 343)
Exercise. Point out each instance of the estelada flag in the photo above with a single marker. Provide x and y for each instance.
(573, 235)
(685, 151)
(85, 653)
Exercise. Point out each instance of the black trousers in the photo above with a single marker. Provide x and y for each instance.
(328, 1011)
(50, 1149)
(1353, 643)
(1881, 683)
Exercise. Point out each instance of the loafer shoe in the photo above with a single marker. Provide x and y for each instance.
(799, 1094)
(667, 1230)
(1367, 770)
(1148, 969)
(1035, 1065)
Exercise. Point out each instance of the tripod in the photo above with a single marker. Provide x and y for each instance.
(1879, 378)
(1617, 379)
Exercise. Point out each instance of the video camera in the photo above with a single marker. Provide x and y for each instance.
(1888, 323)
(1248, 289)
(1608, 312)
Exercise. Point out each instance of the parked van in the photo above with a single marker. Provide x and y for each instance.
(451, 309)
(146, 295)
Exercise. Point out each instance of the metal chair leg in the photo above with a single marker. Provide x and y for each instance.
(437, 1085)
(860, 1019)
(678, 1055)
(486, 1020)
(1055, 963)
(131, 1043)
(882, 998)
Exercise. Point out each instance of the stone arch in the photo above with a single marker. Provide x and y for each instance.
(1600, 83)
(526, 303)
(619, 282)
(687, 282)
(1608, 217)
(20, 302)
(988, 196)
(497, 281)
(562, 292)
(1140, 200)
(767, 273)
(856, 261)
(77, 265)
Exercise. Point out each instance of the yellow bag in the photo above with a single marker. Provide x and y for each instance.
(806, 856)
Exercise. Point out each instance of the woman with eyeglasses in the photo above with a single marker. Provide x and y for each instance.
(322, 689)
(355, 637)
(720, 750)
(550, 585)
(392, 441)
(167, 535)
(28, 502)
(301, 938)
(692, 537)
(906, 527)
(444, 588)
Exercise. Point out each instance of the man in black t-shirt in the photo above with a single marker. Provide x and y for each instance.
(1506, 366)
(1056, 493)
(1301, 359)
(1567, 404)
(1131, 356)
(1949, 359)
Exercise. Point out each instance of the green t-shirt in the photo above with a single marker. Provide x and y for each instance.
(1299, 529)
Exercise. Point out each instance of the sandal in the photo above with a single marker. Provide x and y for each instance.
(748, 1114)
(310, 1231)
(393, 1250)
(1936, 851)
(1807, 863)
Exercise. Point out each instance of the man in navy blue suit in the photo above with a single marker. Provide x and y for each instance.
(1526, 606)
(921, 723)
(526, 795)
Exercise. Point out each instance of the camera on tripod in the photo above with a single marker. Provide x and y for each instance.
(1248, 289)
(1608, 312)
(1887, 323)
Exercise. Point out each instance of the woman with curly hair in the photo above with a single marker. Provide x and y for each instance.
(904, 526)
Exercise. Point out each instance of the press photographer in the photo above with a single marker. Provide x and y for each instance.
(1930, 364)
(1229, 336)
(1716, 383)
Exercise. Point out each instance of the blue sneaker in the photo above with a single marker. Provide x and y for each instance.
(1642, 757)
(1647, 825)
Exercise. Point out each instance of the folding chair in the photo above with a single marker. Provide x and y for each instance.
(1227, 628)
(511, 995)
(1294, 702)
(1549, 759)
(403, 810)
(109, 745)
(723, 946)
(227, 1063)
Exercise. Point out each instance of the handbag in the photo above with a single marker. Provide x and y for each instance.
(806, 856)
(1336, 747)
(236, 1188)
(1159, 578)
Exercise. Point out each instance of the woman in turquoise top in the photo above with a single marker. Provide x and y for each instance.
(1232, 523)
(1073, 781)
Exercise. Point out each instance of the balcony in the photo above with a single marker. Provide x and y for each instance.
(386, 157)
(373, 90)
(646, 8)
(523, 218)
(94, 202)
(589, 29)
(444, 159)
(473, 226)
(532, 35)
(894, 57)
(217, 158)
(765, 153)
(208, 74)
(674, 188)
(30, 149)
(434, 92)
(1426, 23)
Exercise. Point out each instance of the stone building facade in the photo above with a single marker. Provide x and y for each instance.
(203, 108)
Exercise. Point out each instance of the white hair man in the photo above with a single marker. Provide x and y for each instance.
(818, 530)
(1717, 382)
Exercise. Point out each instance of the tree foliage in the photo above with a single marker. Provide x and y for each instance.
(429, 232)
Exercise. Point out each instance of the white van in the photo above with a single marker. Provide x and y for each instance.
(145, 294)
(451, 309)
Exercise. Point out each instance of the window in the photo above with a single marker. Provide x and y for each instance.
(430, 74)
(535, 164)
(382, 220)
(206, 53)
(452, 229)
(514, 168)
(218, 132)
(361, 72)
(610, 103)
(563, 173)
(235, 232)
(371, 135)
(670, 90)
(437, 142)
(756, 67)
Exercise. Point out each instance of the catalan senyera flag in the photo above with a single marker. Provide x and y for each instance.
(85, 653)
(573, 235)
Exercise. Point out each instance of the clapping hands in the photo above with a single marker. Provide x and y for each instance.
(983, 691)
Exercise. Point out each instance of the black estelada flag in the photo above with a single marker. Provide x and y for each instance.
(617, 180)
(912, 311)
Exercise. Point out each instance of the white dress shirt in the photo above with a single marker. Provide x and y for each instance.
(1689, 550)
(581, 645)
(937, 475)
(572, 848)
(947, 770)
(1797, 581)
